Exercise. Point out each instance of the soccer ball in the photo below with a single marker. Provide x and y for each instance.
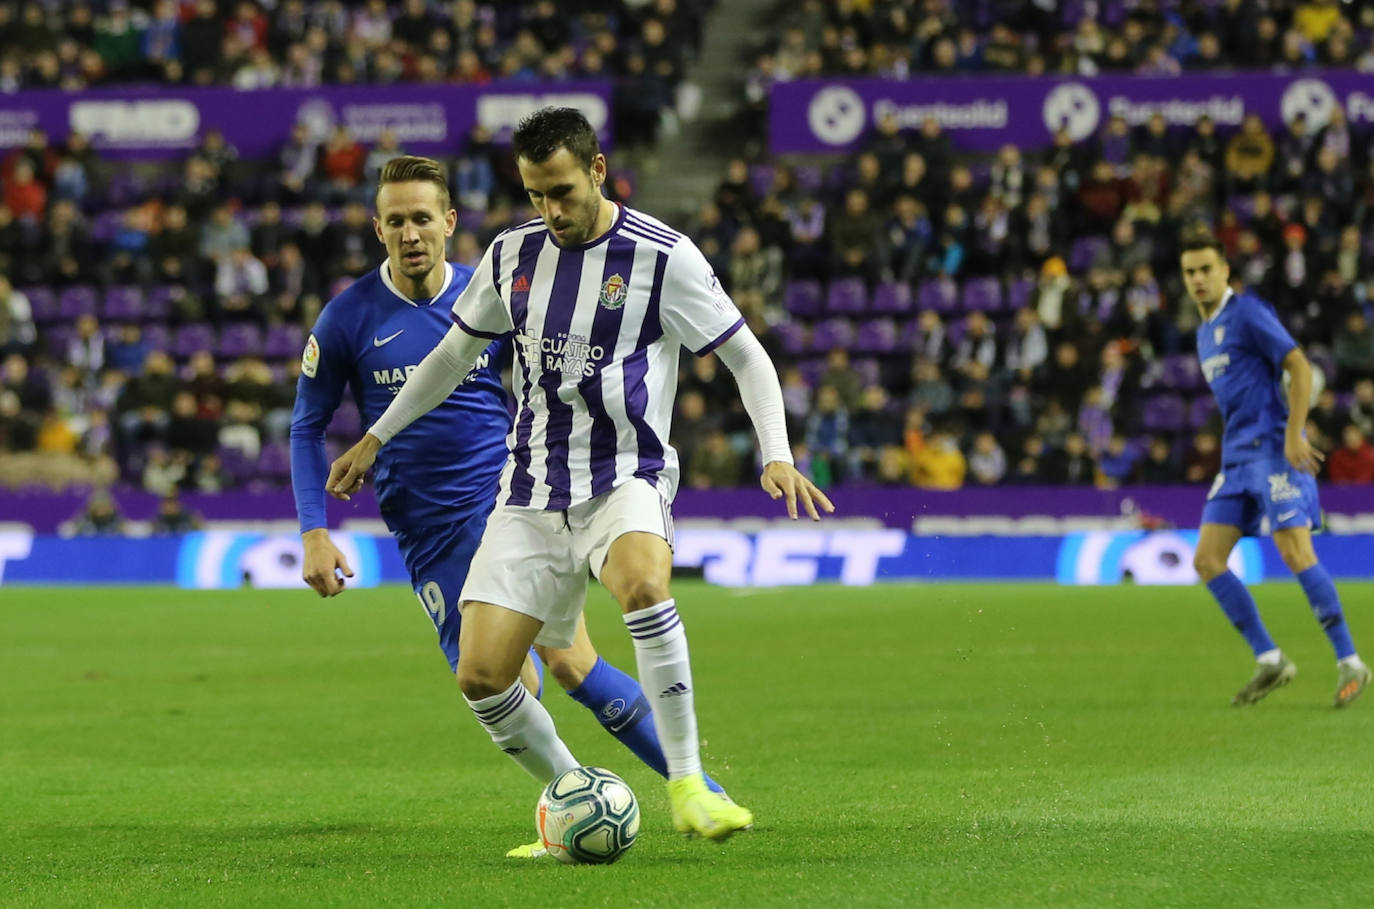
(587, 816)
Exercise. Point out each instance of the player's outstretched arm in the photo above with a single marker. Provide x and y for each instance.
(433, 380)
(324, 563)
(745, 357)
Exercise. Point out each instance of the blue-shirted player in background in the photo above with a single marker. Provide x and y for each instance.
(437, 480)
(1267, 466)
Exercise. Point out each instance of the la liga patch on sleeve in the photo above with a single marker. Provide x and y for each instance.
(310, 359)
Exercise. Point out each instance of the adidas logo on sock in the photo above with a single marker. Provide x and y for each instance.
(677, 689)
(514, 751)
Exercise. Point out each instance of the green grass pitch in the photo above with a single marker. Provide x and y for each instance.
(971, 745)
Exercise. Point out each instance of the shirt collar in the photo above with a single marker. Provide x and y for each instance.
(1226, 298)
(385, 271)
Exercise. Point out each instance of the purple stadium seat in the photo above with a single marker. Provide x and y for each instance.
(761, 179)
(239, 340)
(792, 336)
(283, 341)
(808, 177)
(1164, 413)
(75, 302)
(846, 296)
(1020, 292)
(832, 333)
(983, 294)
(1085, 251)
(105, 225)
(1202, 409)
(868, 371)
(58, 337)
(157, 337)
(939, 294)
(157, 305)
(346, 421)
(44, 304)
(123, 304)
(1182, 373)
(876, 336)
(192, 338)
(892, 298)
(802, 298)
(812, 369)
(274, 462)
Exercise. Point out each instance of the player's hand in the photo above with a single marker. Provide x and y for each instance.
(323, 561)
(347, 471)
(1301, 454)
(782, 480)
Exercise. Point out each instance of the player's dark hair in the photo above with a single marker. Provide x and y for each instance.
(1198, 237)
(548, 129)
(414, 169)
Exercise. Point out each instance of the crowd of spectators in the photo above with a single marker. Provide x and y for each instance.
(896, 38)
(644, 47)
(943, 319)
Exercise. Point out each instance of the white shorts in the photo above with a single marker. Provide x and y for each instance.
(536, 562)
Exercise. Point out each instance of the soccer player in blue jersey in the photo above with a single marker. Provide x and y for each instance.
(436, 481)
(601, 299)
(1267, 467)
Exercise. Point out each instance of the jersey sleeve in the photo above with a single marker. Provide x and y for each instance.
(1268, 335)
(325, 368)
(693, 308)
(479, 310)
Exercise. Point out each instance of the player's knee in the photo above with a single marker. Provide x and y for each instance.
(1208, 564)
(566, 669)
(1297, 560)
(478, 681)
(643, 593)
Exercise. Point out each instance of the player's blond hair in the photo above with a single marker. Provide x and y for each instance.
(415, 169)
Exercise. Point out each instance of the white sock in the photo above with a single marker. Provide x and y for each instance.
(1270, 657)
(665, 673)
(522, 728)
(1353, 661)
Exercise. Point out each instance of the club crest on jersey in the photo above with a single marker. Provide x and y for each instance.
(1218, 333)
(613, 292)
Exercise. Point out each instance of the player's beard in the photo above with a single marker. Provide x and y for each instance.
(585, 223)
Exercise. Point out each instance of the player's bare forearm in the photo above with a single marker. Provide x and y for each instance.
(782, 480)
(1297, 448)
(1299, 390)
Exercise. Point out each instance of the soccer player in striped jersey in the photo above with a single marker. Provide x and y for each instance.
(436, 482)
(599, 299)
(1267, 467)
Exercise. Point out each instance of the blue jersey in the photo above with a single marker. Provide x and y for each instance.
(371, 337)
(1242, 349)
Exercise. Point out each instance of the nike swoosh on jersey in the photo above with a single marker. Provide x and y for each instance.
(378, 342)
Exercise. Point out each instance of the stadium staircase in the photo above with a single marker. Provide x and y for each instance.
(685, 168)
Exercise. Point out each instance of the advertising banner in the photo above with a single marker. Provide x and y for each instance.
(983, 113)
(723, 555)
(974, 510)
(134, 124)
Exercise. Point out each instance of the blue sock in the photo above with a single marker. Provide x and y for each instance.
(539, 671)
(1239, 607)
(620, 706)
(1326, 605)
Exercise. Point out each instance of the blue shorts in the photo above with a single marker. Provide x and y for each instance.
(438, 558)
(1243, 494)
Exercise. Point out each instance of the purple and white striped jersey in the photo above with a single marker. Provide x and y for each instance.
(597, 329)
